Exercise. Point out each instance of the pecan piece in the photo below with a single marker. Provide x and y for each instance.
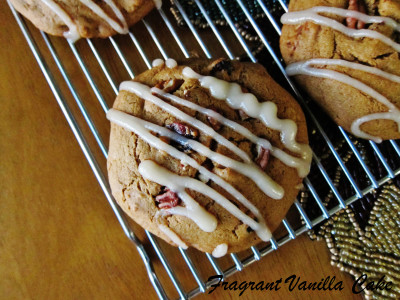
(356, 5)
(262, 158)
(219, 65)
(168, 199)
(170, 86)
(184, 130)
(160, 85)
(243, 115)
(214, 123)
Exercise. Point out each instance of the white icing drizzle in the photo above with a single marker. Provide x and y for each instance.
(220, 250)
(312, 14)
(153, 172)
(144, 92)
(171, 63)
(124, 29)
(206, 221)
(302, 165)
(304, 68)
(157, 62)
(72, 34)
(173, 236)
(250, 170)
(265, 111)
(100, 12)
(126, 121)
(344, 63)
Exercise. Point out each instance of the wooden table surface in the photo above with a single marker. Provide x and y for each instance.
(60, 238)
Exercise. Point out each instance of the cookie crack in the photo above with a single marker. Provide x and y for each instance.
(362, 62)
(383, 56)
(334, 51)
(235, 229)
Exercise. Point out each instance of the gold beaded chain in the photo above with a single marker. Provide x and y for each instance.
(374, 251)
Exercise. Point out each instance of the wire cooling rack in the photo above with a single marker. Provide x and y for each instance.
(84, 76)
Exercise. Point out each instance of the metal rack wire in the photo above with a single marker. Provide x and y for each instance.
(51, 55)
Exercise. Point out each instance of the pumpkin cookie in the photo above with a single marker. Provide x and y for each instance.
(74, 19)
(345, 54)
(207, 153)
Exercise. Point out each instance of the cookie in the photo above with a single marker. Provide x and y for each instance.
(74, 19)
(345, 55)
(207, 153)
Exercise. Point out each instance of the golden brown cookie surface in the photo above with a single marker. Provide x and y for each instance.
(147, 201)
(343, 102)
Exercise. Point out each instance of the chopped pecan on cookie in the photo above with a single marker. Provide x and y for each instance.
(220, 65)
(213, 122)
(184, 130)
(170, 86)
(243, 115)
(356, 5)
(168, 199)
(263, 158)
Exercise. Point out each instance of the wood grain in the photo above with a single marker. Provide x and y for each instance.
(60, 239)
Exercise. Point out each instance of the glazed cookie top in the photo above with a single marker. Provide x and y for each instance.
(74, 19)
(209, 153)
(355, 43)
